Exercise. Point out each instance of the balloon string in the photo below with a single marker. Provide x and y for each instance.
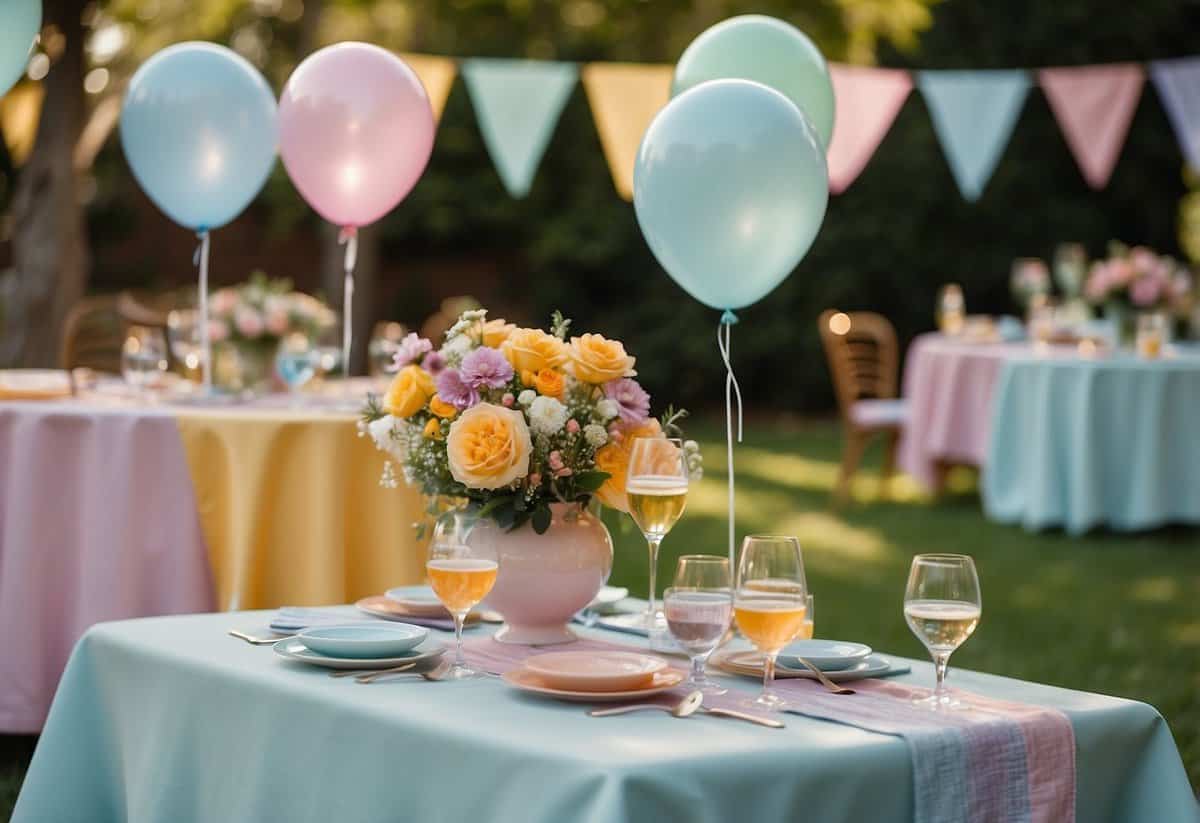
(200, 260)
(732, 389)
(348, 237)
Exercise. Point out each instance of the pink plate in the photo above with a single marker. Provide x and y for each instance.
(527, 681)
(595, 671)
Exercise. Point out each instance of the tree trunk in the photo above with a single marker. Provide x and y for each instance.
(50, 251)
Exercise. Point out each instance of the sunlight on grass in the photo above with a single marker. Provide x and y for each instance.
(1155, 589)
(808, 474)
(835, 546)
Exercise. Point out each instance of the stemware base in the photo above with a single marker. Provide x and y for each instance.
(463, 673)
(706, 686)
(940, 702)
(767, 701)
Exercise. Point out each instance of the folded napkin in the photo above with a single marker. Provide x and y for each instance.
(994, 761)
(292, 619)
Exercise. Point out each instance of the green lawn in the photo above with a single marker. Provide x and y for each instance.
(1107, 613)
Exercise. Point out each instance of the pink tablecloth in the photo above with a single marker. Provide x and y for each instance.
(97, 522)
(948, 385)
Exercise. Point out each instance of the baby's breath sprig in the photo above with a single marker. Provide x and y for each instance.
(559, 325)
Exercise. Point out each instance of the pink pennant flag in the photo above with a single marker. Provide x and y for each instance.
(1094, 106)
(868, 100)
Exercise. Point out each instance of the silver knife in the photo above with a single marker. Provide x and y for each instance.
(749, 718)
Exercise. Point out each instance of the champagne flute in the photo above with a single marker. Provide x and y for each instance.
(143, 357)
(461, 575)
(770, 603)
(656, 486)
(942, 606)
(698, 608)
(296, 362)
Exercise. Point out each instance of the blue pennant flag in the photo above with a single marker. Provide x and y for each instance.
(1178, 84)
(973, 114)
(518, 103)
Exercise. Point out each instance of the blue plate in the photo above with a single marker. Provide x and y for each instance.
(363, 641)
(826, 655)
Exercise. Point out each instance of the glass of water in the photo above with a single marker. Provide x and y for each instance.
(183, 333)
(698, 608)
(296, 362)
(143, 357)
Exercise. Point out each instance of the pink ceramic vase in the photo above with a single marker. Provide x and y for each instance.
(546, 578)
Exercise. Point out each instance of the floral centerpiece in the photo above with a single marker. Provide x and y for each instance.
(1030, 280)
(1136, 280)
(523, 428)
(254, 316)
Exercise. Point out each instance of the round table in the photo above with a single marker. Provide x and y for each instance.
(111, 509)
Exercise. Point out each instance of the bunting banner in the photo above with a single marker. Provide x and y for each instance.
(1094, 106)
(518, 103)
(624, 98)
(1178, 84)
(868, 101)
(974, 113)
(437, 76)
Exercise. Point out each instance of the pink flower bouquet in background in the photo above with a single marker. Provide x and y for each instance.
(1138, 279)
(262, 311)
(510, 420)
(1030, 279)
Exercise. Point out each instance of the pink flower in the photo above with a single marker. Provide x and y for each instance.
(572, 426)
(218, 330)
(1096, 288)
(277, 322)
(249, 323)
(433, 363)
(630, 397)
(1146, 291)
(223, 301)
(556, 461)
(452, 389)
(508, 400)
(1143, 260)
(1120, 273)
(411, 348)
(486, 368)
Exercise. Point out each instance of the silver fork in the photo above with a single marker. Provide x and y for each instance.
(820, 675)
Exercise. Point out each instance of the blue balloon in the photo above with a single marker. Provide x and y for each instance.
(199, 130)
(730, 188)
(20, 21)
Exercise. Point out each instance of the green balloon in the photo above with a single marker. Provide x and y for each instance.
(768, 51)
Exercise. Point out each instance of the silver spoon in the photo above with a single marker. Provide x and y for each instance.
(688, 706)
(820, 675)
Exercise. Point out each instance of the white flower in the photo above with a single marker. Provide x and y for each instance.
(456, 349)
(694, 460)
(383, 433)
(465, 321)
(595, 435)
(607, 409)
(547, 415)
(527, 397)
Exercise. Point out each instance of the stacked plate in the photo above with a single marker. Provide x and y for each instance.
(360, 646)
(594, 677)
(839, 660)
(412, 604)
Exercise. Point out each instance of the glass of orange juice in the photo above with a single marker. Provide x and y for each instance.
(461, 575)
(770, 603)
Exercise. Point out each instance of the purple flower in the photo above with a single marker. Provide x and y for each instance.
(411, 348)
(486, 368)
(1146, 291)
(630, 397)
(434, 362)
(452, 389)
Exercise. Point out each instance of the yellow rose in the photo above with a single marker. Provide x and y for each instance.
(409, 392)
(488, 447)
(534, 350)
(433, 429)
(549, 382)
(495, 332)
(614, 459)
(441, 408)
(595, 359)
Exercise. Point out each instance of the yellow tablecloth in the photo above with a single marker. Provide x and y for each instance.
(292, 510)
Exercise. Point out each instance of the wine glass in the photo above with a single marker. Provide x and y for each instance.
(770, 602)
(328, 350)
(698, 608)
(295, 361)
(656, 486)
(806, 631)
(1151, 334)
(183, 333)
(942, 606)
(143, 357)
(385, 342)
(461, 575)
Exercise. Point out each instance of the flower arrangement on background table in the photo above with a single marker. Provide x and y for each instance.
(512, 420)
(1138, 280)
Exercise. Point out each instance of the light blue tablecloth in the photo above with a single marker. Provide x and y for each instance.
(1082, 443)
(170, 719)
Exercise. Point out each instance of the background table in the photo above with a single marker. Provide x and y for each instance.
(170, 719)
(110, 510)
(1081, 443)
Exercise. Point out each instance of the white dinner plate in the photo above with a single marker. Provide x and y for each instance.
(289, 648)
(826, 655)
(750, 663)
(527, 681)
(364, 641)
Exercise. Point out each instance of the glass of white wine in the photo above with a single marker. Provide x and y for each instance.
(698, 608)
(461, 575)
(143, 358)
(942, 606)
(656, 485)
(770, 603)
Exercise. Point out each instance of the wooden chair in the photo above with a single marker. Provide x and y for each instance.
(864, 360)
(93, 334)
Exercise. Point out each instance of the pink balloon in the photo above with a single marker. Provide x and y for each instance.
(355, 131)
